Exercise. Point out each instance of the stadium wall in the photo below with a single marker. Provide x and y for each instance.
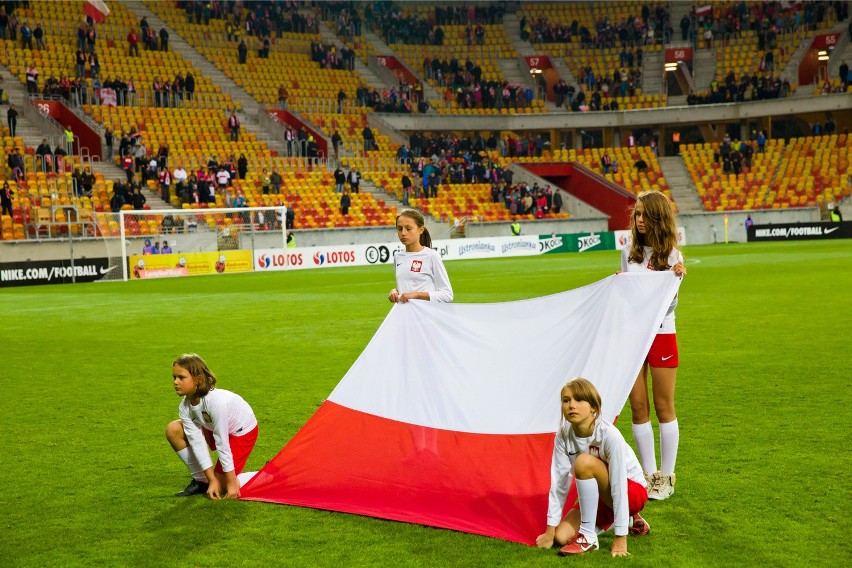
(653, 117)
(701, 228)
(706, 228)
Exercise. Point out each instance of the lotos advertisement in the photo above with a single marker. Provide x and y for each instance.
(266, 260)
(189, 264)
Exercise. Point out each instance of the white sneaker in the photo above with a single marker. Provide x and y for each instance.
(651, 480)
(662, 488)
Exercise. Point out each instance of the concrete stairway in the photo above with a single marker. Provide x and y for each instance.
(791, 70)
(250, 115)
(704, 66)
(330, 38)
(841, 52)
(513, 28)
(652, 73)
(379, 46)
(565, 72)
(677, 10)
(33, 133)
(680, 183)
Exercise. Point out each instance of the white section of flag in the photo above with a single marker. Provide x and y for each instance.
(96, 9)
(498, 368)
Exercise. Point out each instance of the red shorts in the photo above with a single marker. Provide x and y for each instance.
(663, 353)
(241, 447)
(637, 496)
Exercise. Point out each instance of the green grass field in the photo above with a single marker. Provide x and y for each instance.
(87, 476)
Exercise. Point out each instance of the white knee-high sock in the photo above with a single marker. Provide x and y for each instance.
(644, 436)
(587, 490)
(669, 440)
(192, 464)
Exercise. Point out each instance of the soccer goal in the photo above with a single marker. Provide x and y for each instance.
(185, 242)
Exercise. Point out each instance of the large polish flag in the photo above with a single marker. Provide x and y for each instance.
(96, 9)
(448, 417)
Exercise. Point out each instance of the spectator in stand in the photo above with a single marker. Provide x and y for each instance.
(38, 35)
(127, 164)
(12, 119)
(557, 201)
(234, 126)
(87, 181)
(59, 158)
(242, 52)
(180, 177)
(336, 140)
(91, 37)
(115, 201)
(345, 202)
(339, 179)
(240, 199)
(242, 166)
(26, 36)
(369, 139)
(132, 43)
(43, 150)
(164, 39)
(6, 199)
(163, 156)
(406, 189)
(137, 199)
(282, 97)
(189, 85)
(69, 139)
(32, 79)
(354, 180)
(165, 179)
(275, 180)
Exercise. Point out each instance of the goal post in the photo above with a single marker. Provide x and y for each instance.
(184, 242)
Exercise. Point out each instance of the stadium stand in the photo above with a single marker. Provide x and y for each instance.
(455, 51)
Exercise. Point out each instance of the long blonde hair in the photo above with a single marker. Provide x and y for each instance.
(660, 230)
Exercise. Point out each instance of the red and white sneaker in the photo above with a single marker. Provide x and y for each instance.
(580, 544)
(638, 526)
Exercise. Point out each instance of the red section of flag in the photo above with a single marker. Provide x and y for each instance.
(96, 9)
(354, 462)
(701, 11)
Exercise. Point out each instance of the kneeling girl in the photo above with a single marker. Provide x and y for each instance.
(210, 418)
(610, 482)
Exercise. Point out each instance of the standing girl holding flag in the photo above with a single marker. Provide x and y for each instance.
(654, 248)
(420, 272)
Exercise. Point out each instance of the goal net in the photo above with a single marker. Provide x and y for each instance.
(187, 242)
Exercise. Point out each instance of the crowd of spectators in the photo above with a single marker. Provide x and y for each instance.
(652, 26)
(259, 18)
(330, 57)
(395, 26)
(403, 98)
(436, 159)
(748, 88)
(766, 19)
